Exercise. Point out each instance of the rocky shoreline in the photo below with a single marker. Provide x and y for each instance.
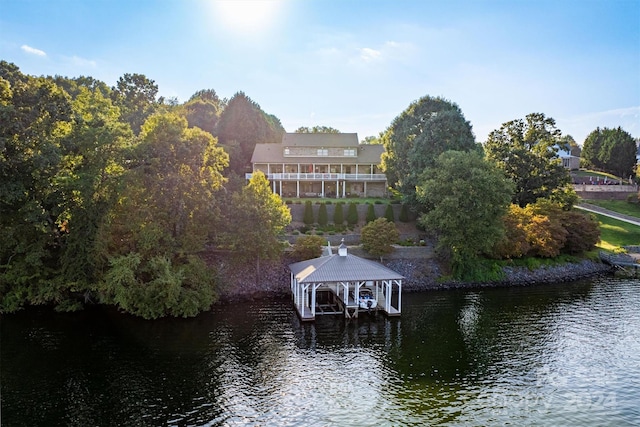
(241, 282)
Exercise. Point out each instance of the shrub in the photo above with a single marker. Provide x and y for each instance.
(388, 214)
(338, 215)
(308, 213)
(378, 236)
(322, 215)
(352, 214)
(371, 213)
(307, 247)
(288, 202)
(404, 213)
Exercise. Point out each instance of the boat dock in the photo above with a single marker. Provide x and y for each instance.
(340, 283)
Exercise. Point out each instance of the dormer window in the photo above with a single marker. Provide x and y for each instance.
(323, 152)
(287, 151)
(350, 152)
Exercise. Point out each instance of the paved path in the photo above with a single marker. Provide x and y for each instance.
(611, 214)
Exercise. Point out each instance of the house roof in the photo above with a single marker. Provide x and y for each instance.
(273, 153)
(320, 140)
(336, 268)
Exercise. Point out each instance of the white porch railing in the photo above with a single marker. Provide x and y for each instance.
(323, 176)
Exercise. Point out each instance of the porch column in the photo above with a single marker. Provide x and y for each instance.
(298, 188)
(313, 300)
(322, 187)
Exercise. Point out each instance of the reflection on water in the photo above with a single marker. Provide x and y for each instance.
(550, 355)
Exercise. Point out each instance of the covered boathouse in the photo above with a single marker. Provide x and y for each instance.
(344, 284)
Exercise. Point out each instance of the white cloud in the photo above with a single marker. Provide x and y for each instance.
(33, 50)
(368, 54)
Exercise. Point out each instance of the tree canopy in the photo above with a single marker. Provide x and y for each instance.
(242, 125)
(610, 150)
(378, 236)
(527, 151)
(426, 129)
(469, 197)
(135, 95)
(316, 129)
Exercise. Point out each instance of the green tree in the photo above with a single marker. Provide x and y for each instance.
(242, 125)
(203, 110)
(166, 213)
(307, 247)
(526, 150)
(352, 214)
(404, 213)
(316, 129)
(388, 213)
(610, 150)
(378, 236)
(96, 150)
(338, 214)
(307, 217)
(469, 197)
(257, 204)
(427, 128)
(371, 213)
(36, 116)
(323, 218)
(135, 95)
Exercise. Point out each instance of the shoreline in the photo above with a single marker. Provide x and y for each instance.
(421, 275)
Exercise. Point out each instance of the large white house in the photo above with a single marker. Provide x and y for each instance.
(321, 165)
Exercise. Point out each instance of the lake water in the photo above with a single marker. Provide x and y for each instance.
(546, 355)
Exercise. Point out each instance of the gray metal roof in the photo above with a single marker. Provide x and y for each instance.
(336, 268)
(320, 139)
(274, 153)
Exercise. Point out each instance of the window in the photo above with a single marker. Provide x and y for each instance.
(323, 152)
(350, 152)
(287, 151)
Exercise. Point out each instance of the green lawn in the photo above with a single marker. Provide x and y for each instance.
(620, 206)
(363, 200)
(587, 173)
(614, 233)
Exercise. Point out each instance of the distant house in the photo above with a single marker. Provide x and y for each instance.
(321, 165)
(569, 161)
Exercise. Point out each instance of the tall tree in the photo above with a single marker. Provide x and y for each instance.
(166, 213)
(610, 150)
(469, 196)
(135, 95)
(35, 116)
(258, 218)
(203, 110)
(95, 152)
(242, 125)
(426, 129)
(527, 152)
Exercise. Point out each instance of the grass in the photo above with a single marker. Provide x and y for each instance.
(587, 173)
(620, 206)
(363, 200)
(614, 234)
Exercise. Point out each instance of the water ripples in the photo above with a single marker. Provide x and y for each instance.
(549, 355)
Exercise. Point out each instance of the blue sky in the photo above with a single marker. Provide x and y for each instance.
(352, 65)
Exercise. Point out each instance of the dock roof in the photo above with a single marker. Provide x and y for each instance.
(336, 268)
